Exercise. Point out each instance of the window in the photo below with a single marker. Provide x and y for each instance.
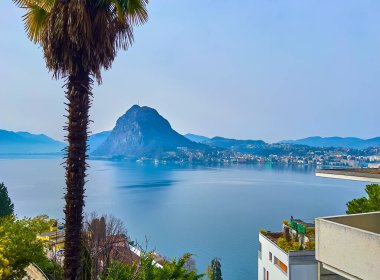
(264, 273)
(260, 250)
(283, 267)
(270, 256)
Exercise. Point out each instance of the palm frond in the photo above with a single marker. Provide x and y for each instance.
(136, 11)
(34, 22)
(47, 5)
(82, 34)
(37, 12)
(22, 3)
(117, 10)
(26, 4)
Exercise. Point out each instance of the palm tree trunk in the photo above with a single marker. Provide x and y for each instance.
(78, 95)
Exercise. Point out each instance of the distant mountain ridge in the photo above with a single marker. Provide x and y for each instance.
(343, 142)
(196, 138)
(243, 146)
(27, 143)
(143, 132)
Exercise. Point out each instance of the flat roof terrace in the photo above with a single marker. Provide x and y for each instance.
(356, 174)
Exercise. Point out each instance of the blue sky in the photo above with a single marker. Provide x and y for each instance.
(259, 69)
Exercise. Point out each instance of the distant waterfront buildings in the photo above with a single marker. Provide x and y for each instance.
(325, 157)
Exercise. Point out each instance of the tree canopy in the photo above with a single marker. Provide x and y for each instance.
(146, 269)
(82, 35)
(366, 204)
(18, 246)
(6, 205)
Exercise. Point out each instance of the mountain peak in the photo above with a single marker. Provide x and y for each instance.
(137, 107)
(142, 132)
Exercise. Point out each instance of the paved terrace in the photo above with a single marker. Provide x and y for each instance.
(356, 174)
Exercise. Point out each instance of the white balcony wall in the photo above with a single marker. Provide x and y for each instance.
(350, 244)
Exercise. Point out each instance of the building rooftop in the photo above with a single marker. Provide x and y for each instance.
(356, 174)
(296, 235)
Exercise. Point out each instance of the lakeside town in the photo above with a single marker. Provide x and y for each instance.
(290, 155)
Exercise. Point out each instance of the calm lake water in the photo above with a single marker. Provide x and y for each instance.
(207, 211)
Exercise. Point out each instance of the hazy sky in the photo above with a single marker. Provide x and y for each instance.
(259, 69)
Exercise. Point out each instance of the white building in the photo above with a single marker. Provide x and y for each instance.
(277, 264)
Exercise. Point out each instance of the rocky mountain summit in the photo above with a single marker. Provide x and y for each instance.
(143, 132)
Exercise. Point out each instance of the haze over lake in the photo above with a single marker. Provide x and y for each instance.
(208, 211)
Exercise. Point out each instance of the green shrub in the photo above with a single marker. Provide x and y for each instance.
(18, 246)
(295, 246)
(146, 269)
(310, 245)
(310, 232)
(283, 244)
(263, 231)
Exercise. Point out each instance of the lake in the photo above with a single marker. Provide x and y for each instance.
(208, 211)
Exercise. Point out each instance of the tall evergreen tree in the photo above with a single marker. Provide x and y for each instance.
(214, 271)
(6, 205)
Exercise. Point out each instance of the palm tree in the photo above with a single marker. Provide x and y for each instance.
(79, 38)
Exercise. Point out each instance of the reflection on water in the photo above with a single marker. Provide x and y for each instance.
(150, 184)
(206, 210)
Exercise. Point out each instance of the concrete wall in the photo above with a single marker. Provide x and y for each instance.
(366, 221)
(348, 249)
(304, 257)
(303, 265)
(302, 272)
